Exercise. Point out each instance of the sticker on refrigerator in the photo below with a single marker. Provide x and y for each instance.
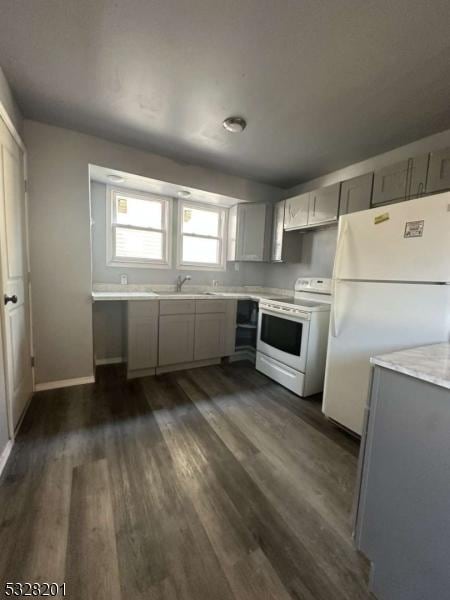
(414, 229)
(381, 218)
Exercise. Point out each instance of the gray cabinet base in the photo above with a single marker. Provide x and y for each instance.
(187, 365)
(140, 373)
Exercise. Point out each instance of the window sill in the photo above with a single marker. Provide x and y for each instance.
(196, 267)
(137, 265)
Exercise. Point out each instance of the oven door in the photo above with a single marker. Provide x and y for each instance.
(283, 337)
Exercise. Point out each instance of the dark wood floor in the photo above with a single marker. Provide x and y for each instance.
(212, 483)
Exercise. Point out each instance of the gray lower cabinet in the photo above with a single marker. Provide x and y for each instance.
(176, 339)
(403, 181)
(142, 325)
(324, 205)
(209, 335)
(402, 523)
(439, 171)
(356, 194)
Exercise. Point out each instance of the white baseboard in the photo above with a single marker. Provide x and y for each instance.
(109, 361)
(53, 385)
(5, 454)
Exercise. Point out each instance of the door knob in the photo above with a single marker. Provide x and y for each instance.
(12, 299)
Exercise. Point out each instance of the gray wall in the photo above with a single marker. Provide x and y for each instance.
(248, 274)
(317, 256)
(319, 247)
(428, 144)
(7, 99)
(60, 234)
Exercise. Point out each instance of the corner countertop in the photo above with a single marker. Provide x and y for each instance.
(112, 292)
(428, 363)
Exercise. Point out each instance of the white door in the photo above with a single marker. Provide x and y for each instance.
(368, 319)
(14, 278)
(409, 241)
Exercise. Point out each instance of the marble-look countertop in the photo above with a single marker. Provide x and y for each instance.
(105, 292)
(428, 363)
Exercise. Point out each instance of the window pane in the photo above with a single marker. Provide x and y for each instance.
(134, 211)
(200, 250)
(133, 243)
(201, 222)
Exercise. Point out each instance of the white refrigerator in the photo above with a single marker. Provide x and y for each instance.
(391, 290)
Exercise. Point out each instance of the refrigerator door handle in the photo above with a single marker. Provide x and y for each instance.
(334, 324)
(340, 244)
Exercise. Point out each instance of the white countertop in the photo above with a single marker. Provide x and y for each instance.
(428, 363)
(106, 292)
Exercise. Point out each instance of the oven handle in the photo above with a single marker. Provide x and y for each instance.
(300, 316)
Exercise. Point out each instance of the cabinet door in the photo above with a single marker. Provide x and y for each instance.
(142, 334)
(439, 171)
(296, 211)
(401, 181)
(356, 194)
(251, 231)
(176, 339)
(324, 205)
(232, 233)
(390, 183)
(277, 232)
(209, 335)
(418, 169)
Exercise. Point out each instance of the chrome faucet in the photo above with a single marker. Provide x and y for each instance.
(181, 280)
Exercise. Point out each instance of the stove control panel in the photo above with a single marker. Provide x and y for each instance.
(313, 284)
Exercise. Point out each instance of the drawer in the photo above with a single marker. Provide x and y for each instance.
(176, 307)
(211, 306)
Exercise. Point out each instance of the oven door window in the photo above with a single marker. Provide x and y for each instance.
(283, 334)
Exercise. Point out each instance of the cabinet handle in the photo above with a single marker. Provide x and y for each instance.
(314, 206)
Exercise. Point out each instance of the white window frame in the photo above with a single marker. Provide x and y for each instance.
(222, 237)
(141, 263)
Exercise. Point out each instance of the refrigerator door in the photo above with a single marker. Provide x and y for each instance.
(370, 318)
(409, 241)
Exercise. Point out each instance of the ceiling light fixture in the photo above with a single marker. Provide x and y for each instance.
(235, 124)
(115, 178)
(184, 193)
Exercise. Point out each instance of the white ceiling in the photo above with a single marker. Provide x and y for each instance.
(155, 186)
(322, 83)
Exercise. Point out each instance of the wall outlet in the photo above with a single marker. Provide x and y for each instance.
(215, 283)
(124, 279)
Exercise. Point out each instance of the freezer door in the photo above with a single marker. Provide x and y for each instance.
(368, 319)
(409, 241)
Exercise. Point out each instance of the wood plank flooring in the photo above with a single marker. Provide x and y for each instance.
(207, 484)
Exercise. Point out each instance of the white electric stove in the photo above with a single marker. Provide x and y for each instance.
(292, 336)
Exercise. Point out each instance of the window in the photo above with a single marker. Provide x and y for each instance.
(201, 236)
(138, 225)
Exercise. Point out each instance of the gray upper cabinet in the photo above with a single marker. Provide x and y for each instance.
(232, 232)
(249, 226)
(142, 324)
(277, 232)
(439, 171)
(418, 169)
(356, 194)
(296, 212)
(286, 245)
(402, 181)
(324, 205)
